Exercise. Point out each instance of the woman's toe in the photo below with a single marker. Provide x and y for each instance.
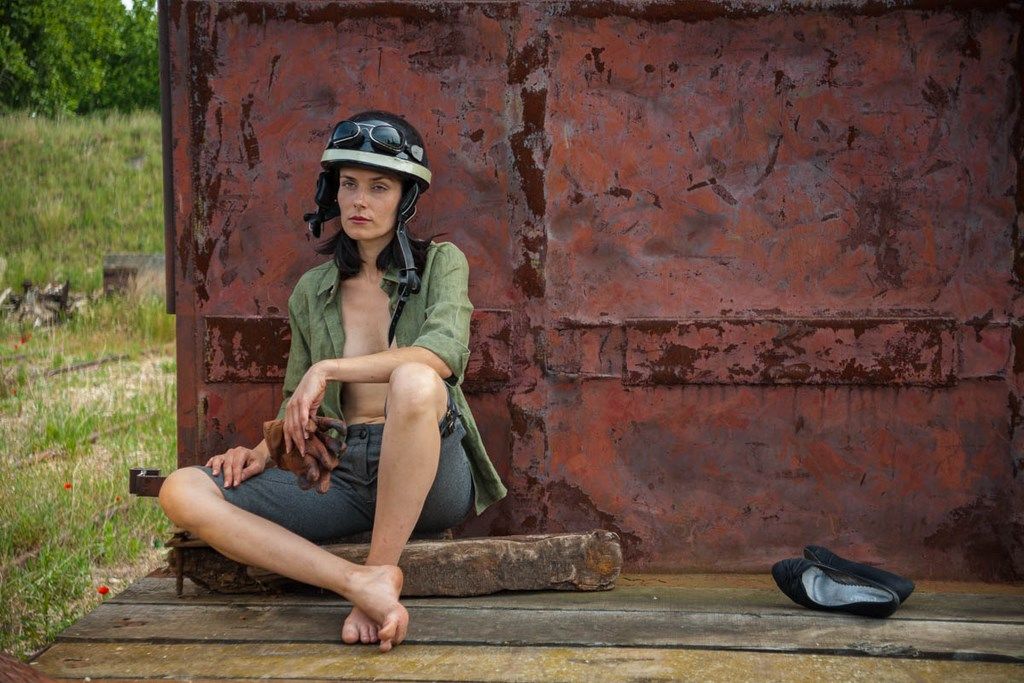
(349, 633)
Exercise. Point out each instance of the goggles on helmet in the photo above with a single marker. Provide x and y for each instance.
(365, 143)
(383, 138)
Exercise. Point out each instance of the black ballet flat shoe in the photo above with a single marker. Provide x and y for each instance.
(899, 585)
(820, 587)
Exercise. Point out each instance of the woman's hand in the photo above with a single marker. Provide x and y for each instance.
(239, 463)
(302, 407)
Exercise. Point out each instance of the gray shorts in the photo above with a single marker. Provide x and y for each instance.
(348, 506)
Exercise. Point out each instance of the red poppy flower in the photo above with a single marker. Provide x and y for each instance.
(67, 485)
(102, 590)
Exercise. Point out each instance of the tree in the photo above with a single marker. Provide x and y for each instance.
(133, 69)
(62, 56)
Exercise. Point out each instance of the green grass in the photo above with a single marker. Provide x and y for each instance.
(75, 189)
(67, 522)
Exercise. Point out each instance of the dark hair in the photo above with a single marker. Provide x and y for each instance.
(346, 253)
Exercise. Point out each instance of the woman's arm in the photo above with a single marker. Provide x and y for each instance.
(377, 367)
(445, 329)
(299, 359)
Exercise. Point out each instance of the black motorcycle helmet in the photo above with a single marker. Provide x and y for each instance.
(375, 140)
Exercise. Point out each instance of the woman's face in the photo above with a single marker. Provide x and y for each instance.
(369, 202)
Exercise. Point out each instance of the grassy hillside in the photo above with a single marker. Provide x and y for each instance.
(75, 189)
(70, 534)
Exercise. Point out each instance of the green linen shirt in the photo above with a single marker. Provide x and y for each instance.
(436, 318)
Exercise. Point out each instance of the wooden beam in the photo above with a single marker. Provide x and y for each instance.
(473, 566)
(328, 661)
(801, 630)
(688, 594)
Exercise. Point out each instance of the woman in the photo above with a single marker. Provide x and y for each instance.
(414, 457)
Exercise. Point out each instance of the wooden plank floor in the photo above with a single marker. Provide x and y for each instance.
(720, 627)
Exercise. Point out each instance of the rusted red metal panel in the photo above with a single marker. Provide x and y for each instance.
(756, 471)
(745, 279)
(255, 349)
(245, 349)
(791, 351)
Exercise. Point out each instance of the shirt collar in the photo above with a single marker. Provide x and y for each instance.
(329, 278)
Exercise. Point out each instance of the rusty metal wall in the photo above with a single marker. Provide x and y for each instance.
(746, 278)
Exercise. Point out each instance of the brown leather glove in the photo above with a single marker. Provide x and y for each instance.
(323, 452)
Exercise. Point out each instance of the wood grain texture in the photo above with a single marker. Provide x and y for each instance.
(654, 627)
(798, 631)
(306, 661)
(922, 606)
(464, 567)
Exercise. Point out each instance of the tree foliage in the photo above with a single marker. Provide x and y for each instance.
(64, 56)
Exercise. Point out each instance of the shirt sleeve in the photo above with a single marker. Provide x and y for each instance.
(298, 354)
(445, 330)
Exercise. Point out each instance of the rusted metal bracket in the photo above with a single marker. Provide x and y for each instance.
(145, 481)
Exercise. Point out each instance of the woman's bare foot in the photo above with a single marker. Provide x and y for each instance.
(374, 591)
(359, 628)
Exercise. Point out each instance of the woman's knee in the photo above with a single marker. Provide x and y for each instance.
(181, 490)
(416, 387)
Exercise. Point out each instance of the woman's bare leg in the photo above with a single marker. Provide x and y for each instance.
(193, 501)
(410, 449)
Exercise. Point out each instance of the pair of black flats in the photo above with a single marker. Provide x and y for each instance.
(824, 581)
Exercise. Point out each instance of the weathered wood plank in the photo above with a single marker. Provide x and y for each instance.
(801, 631)
(305, 661)
(725, 580)
(461, 567)
(992, 607)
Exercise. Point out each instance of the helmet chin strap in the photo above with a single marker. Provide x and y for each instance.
(408, 279)
(326, 202)
(316, 219)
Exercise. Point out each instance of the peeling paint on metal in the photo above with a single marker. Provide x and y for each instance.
(747, 275)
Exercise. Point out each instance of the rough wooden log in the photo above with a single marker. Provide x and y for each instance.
(193, 557)
(472, 566)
